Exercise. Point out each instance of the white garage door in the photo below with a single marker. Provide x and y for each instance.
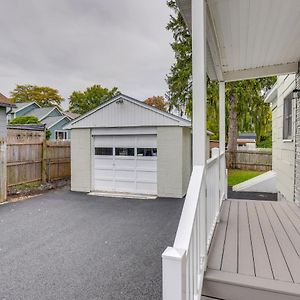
(125, 164)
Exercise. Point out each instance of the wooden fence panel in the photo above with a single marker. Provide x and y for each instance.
(58, 162)
(23, 163)
(34, 162)
(257, 160)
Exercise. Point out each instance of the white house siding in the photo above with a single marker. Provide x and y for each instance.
(173, 161)
(81, 160)
(2, 122)
(283, 151)
(297, 167)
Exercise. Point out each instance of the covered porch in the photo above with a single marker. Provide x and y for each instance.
(254, 252)
(230, 249)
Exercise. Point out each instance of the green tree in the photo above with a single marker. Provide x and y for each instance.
(158, 102)
(43, 95)
(245, 108)
(25, 120)
(82, 102)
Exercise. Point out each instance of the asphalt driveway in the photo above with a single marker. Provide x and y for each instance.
(65, 245)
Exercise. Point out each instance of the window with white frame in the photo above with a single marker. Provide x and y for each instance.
(61, 135)
(288, 117)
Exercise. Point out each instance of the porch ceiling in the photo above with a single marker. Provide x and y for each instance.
(250, 38)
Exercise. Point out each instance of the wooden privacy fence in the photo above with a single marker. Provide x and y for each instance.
(257, 160)
(37, 162)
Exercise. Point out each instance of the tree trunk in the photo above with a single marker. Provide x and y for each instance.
(232, 133)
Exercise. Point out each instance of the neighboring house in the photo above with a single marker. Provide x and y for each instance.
(246, 140)
(126, 145)
(5, 105)
(52, 117)
(284, 127)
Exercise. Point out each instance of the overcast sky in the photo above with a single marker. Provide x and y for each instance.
(73, 44)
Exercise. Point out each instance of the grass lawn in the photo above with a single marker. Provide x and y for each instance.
(237, 176)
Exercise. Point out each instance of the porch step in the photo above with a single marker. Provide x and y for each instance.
(232, 286)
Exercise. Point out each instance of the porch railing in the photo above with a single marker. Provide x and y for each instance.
(184, 264)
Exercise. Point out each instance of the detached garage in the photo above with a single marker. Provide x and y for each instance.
(127, 146)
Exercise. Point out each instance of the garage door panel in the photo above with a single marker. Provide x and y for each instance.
(103, 163)
(127, 169)
(125, 175)
(146, 141)
(146, 164)
(125, 186)
(105, 185)
(124, 141)
(124, 163)
(107, 174)
(104, 141)
(146, 176)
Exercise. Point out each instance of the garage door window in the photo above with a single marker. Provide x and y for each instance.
(103, 151)
(124, 151)
(146, 151)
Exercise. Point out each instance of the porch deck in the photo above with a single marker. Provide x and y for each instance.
(255, 252)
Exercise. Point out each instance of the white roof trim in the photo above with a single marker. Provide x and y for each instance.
(63, 117)
(29, 103)
(137, 102)
(45, 116)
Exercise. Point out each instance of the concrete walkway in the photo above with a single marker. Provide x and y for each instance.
(65, 245)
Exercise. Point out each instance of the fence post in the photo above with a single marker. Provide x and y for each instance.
(3, 171)
(174, 283)
(44, 161)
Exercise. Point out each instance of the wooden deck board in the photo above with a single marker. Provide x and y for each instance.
(277, 260)
(230, 255)
(245, 257)
(257, 242)
(261, 259)
(289, 252)
(217, 245)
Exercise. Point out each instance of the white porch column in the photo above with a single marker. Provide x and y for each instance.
(222, 134)
(222, 131)
(199, 81)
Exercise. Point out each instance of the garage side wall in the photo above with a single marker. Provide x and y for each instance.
(81, 160)
(186, 158)
(169, 162)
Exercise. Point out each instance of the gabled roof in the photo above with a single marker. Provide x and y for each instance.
(71, 115)
(51, 121)
(21, 105)
(4, 101)
(125, 111)
(41, 113)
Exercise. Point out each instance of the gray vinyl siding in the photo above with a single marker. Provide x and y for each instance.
(283, 152)
(26, 110)
(59, 126)
(297, 154)
(81, 160)
(2, 122)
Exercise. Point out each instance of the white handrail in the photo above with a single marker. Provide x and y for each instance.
(184, 264)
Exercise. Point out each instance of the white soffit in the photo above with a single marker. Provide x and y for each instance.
(251, 38)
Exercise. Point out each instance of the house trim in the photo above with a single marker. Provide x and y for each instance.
(184, 122)
(29, 103)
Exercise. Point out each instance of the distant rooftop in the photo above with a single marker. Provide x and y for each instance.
(40, 113)
(4, 101)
